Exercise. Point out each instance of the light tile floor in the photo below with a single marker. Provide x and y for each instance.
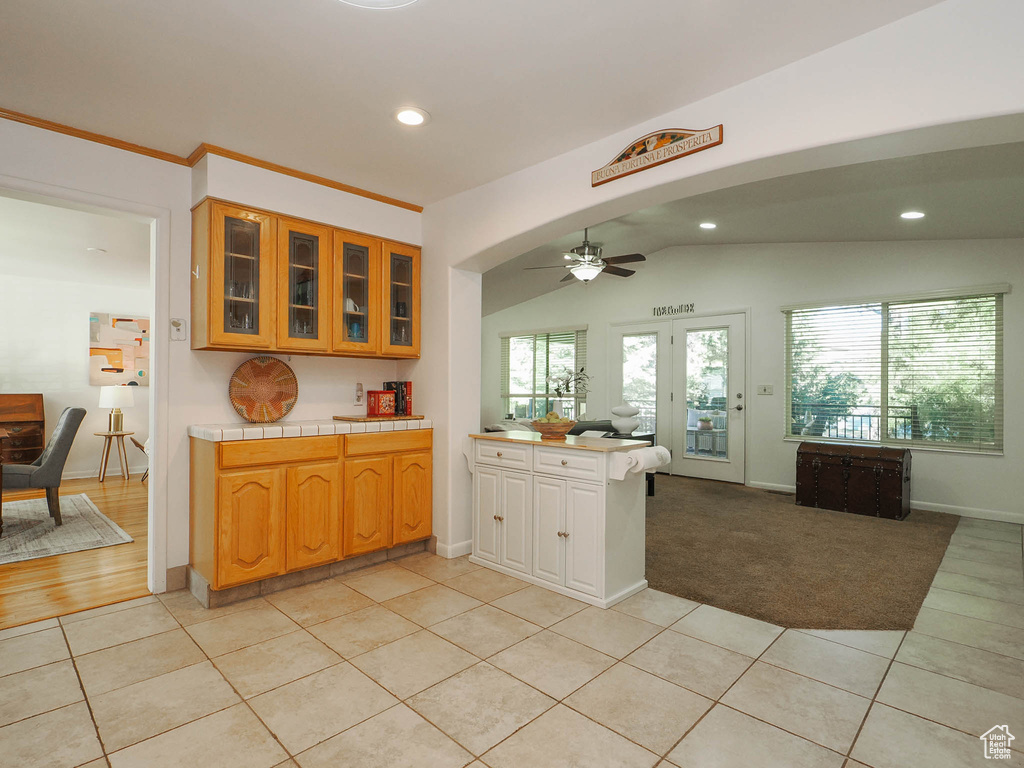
(431, 662)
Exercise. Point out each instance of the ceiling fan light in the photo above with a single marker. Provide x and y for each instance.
(586, 272)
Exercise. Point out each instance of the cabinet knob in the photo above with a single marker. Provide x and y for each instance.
(564, 534)
(499, 454)
(497, 518)
(501, 519)
(565, 463)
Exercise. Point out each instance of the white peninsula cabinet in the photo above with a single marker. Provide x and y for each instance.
(550, 513)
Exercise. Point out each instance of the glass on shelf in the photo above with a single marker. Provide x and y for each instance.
(241, 276)
(356, 292)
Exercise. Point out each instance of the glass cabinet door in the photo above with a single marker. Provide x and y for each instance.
(304, 258)
(356, 293)
(241, 276)
(241, 280)
(401, 300)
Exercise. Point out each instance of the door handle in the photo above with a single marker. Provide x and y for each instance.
(736, 408)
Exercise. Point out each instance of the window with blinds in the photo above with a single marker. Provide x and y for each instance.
(909, 372)
(529, 366)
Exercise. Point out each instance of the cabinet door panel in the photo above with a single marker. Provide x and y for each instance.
(357, 291)
(413, 501)
(305, 264)
(517, 523)
(242, 279)
(313, 515)
(400, 301)
(548, 520)
(250, 526)
(487, 504)
(584, 518)
(366, 521)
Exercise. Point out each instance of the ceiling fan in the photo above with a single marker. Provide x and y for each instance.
(585, 262)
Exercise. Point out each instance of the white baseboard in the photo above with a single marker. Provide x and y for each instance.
(928, 506)
(112, 472)
(455, 550)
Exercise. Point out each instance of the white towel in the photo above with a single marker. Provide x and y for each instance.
(638, 461)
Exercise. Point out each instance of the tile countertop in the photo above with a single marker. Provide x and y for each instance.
(604, 444)
(217, 433)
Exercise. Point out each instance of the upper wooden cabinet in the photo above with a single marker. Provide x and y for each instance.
(401, 301)
(304, 267)
(276, 284)
(233, 276)
(357, 290)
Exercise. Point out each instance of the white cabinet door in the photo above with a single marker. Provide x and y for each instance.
(487, 505)
(548, 521)
(516, 542)
(584, 521)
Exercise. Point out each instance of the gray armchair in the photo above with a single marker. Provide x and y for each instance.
(45, 472)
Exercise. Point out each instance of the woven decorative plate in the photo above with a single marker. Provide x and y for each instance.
(263, 389)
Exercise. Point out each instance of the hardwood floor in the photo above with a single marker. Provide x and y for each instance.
(53, 586)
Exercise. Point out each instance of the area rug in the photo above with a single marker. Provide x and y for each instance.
(29, 531)
(757, 553)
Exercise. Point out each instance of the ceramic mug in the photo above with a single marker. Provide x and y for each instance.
(350, 306)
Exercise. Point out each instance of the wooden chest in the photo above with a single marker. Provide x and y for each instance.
(22, 417)
(865, 480)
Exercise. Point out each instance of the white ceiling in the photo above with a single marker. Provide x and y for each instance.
(312, 84)
(966, 194)
(49, 242)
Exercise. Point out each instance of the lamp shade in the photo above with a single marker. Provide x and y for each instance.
(587, 272)
(116, 397)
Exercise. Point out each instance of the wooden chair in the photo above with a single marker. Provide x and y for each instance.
(142, 448)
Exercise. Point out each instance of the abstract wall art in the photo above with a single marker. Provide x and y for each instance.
(118, 349)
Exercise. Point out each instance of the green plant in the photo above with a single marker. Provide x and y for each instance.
(570, 382)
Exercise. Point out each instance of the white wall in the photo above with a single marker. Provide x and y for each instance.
(46, 350)
(762, 278)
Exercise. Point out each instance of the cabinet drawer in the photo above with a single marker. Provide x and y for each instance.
(500, 454)
(249, 453)
(579, 465)
(23, 428)
(20, 455)
(23, 442)
(388, 442)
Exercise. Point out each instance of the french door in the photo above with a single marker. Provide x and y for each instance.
(640, 367)
(708, 397)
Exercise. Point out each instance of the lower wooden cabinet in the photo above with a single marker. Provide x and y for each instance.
(250, 525)
(261, 508)
(311, 512)
(367, 505)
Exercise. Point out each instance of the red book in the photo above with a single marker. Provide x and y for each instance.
(408, 399)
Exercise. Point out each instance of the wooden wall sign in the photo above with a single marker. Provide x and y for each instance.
(656, 149)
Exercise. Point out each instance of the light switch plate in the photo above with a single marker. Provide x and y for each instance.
(765, 389)
(360, 394)
(179, 329)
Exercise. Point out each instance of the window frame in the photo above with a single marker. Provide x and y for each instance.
(579, 360)
(996, 448)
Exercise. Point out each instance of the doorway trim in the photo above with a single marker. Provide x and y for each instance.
(160, 275)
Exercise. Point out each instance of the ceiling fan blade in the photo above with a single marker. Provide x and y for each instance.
(617, 271)
(553, 266)
(567, 278)
(629, 258)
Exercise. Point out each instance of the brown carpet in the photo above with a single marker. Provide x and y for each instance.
(757, 553)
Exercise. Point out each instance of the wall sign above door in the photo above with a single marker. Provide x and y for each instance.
(655, 149)
(674, 309)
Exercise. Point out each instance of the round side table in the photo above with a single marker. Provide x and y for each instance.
(122, 455)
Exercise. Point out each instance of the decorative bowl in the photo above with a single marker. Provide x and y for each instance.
(263, 389)
(553, 430)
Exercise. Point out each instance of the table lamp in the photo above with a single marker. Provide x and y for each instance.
(116, 398)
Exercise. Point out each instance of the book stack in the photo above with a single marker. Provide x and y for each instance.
(403, 396)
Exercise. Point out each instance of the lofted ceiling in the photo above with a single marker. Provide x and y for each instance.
(966, 194)
(50, 242)
(312, 84)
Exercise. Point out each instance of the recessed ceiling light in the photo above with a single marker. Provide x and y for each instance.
(379, 4)
(411, 116)
(96, 250)
(911, 215)
(708, 225)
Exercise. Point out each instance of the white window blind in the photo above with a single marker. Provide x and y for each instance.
(910, 372)
(529, 361)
